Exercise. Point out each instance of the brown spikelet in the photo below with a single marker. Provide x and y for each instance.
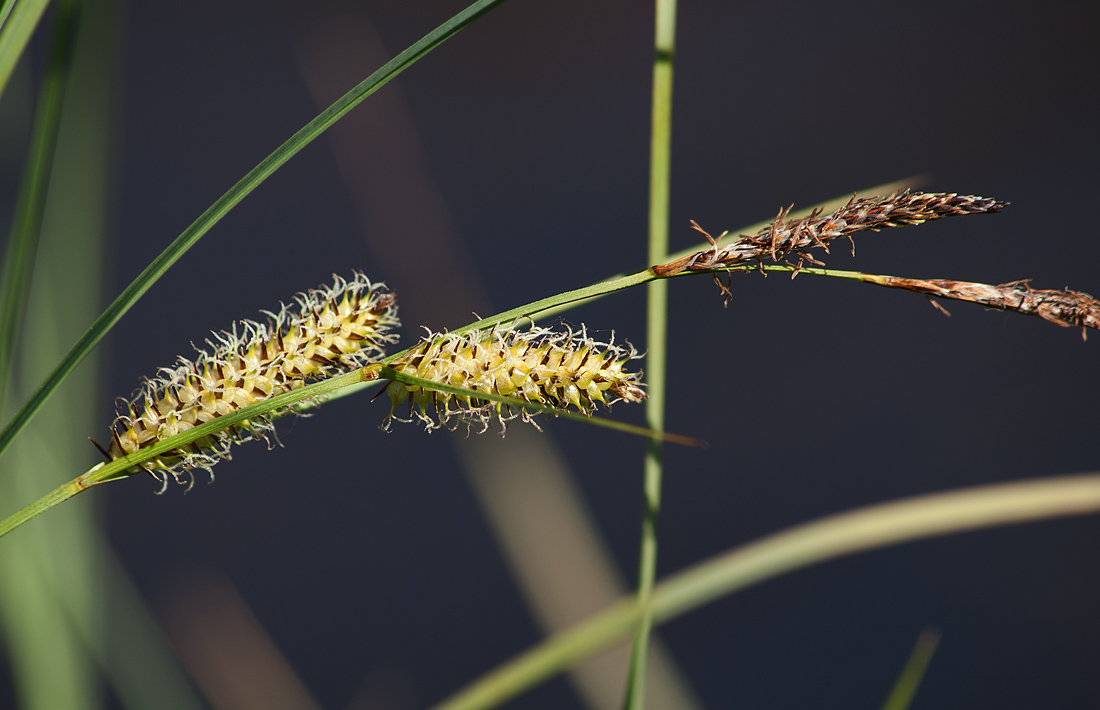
(785, 237)
(332, 330)
(553, 369)
(1065, 308)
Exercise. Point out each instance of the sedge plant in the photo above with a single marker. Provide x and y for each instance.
(508, 366)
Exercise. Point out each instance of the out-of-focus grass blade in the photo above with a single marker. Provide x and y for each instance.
(49, 585)
(905, 689)
(5, 12)
(136, 655)
(18, 18)
(23, 240)
(230, 199)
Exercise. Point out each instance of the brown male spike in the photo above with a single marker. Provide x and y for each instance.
(786, 236)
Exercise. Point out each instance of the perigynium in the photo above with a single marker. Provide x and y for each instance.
(326, 332)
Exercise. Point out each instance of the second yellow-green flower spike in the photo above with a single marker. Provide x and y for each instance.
(541, 366)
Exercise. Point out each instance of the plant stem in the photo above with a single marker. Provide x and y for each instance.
(59, 495)
(656, 338)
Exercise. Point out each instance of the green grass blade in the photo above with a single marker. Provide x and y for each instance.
(19, 19)
(832, 537)
(5, 12)
(905, 689)
(30, 204)
(230, 199)
(656, 338)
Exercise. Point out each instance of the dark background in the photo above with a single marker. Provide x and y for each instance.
(365, 555)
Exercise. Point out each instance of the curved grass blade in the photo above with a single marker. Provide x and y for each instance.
(18, 21)
(230, 199)
(828, 538)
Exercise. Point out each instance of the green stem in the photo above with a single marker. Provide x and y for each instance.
(230, 199)
(656, 338)
(58, 495)
(563, 301)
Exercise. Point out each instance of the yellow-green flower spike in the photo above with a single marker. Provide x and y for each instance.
(328, 331)
(553, 369)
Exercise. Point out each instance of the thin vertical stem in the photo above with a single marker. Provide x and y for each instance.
(656, 335)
